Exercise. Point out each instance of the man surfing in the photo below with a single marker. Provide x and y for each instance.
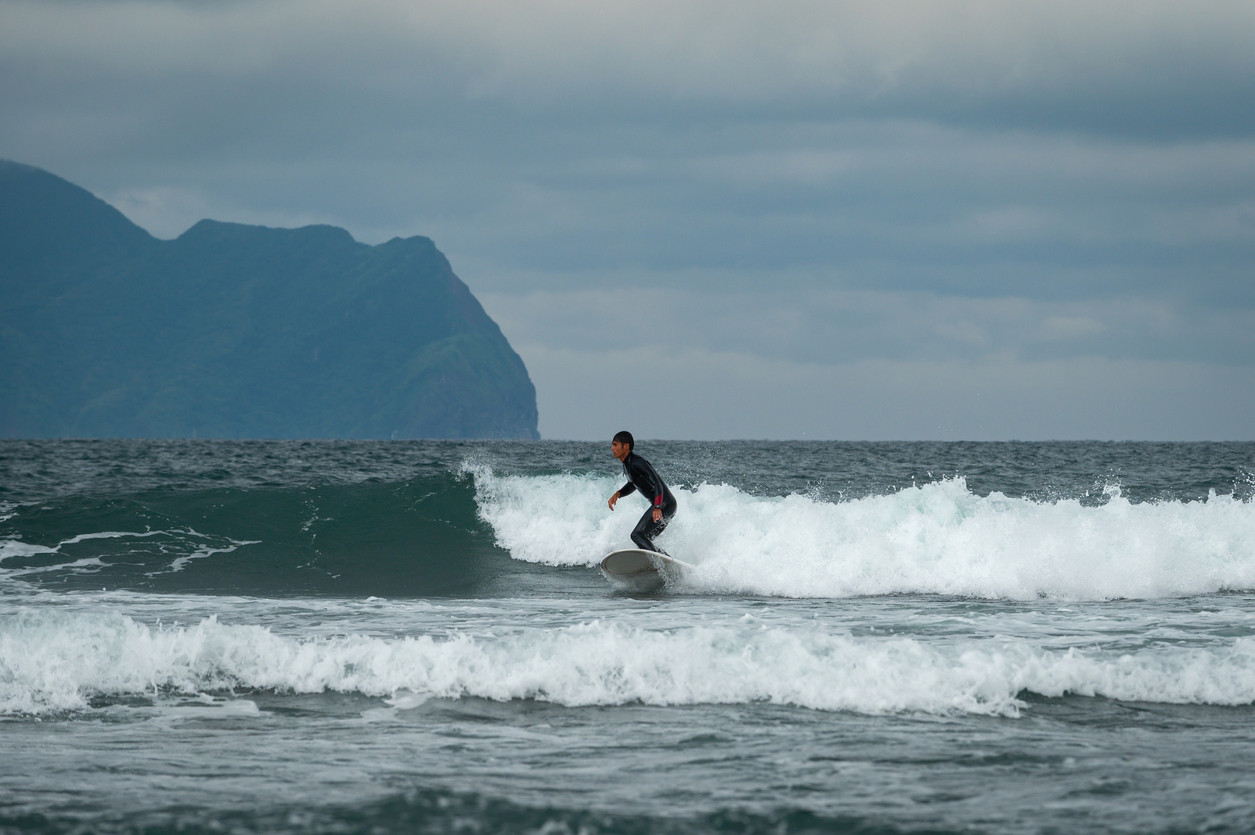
(642, 476)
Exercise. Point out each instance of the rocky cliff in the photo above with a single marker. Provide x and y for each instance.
(234, 331)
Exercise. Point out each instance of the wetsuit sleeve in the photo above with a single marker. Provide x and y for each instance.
(627, 489)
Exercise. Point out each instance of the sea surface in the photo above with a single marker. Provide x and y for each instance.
(205, 636)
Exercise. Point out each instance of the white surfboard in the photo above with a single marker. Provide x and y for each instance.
(642, 571)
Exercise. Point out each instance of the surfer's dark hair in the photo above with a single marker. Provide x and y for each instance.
(625, 437)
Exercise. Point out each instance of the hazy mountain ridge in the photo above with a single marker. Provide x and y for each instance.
(237, 331)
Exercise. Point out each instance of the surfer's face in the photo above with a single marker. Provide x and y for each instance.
(619, 449)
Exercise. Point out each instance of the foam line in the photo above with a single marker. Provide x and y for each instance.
(55, 661)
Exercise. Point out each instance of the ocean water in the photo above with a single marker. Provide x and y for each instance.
(413, 637)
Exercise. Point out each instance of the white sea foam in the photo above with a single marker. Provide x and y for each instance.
(208, 551)
(932, 538)
(17, 549)
(55, 661)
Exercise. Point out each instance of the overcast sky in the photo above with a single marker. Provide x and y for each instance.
(874, 220)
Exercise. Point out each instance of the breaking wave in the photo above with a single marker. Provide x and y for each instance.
(934, 538)
(52, 661)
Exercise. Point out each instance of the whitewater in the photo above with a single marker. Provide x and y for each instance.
(318, 636)
(55, 663)
(935, 538)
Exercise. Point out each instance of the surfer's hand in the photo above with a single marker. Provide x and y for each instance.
(657, 514)
(614, 499)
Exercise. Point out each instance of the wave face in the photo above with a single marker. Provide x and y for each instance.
(934, 538)
(415, 537)
(54, 662)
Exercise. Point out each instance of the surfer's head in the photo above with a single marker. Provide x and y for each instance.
(621, 445)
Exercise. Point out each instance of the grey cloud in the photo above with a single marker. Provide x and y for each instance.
(709, 395)
(787, 189)
(827, 327)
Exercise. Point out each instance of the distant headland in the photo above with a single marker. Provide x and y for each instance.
(234, 331)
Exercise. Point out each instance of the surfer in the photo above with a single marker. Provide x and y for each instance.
(642, 476)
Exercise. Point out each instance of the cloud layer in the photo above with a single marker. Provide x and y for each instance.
(725, 219)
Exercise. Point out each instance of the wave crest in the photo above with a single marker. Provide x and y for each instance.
(934, 538)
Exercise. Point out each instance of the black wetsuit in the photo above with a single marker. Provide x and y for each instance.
(642, 476)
